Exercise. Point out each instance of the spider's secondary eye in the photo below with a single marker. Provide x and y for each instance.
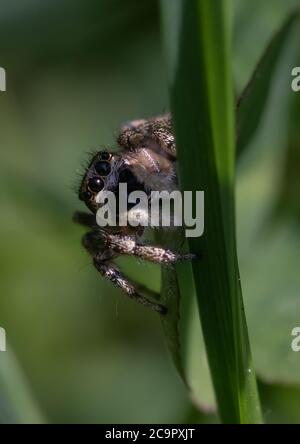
(85, 195)
(102, 168)
(104, 155)
(95, 184)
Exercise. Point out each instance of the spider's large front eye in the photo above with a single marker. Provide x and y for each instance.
(95, 184)
(102, 168)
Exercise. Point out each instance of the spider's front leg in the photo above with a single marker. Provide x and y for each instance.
(146, 132)
(102, 258)
(129, 246)
(110, 272)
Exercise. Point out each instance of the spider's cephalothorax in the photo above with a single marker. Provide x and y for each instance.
(146, 162)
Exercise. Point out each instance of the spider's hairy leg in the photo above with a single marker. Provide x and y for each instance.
(157, 130)
(102, 261)
(109, 271)
(85, 219)
(160, 255)
(129, 246)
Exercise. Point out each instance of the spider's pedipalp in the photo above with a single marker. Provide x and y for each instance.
(85, 219)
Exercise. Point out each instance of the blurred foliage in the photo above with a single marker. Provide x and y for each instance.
(75, 71)
(16, 402)
(252, 101)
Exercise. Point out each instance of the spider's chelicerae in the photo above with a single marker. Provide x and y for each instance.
(146, 161)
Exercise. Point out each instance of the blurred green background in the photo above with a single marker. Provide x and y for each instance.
(78, 351)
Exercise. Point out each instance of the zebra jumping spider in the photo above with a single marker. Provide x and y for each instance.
(146, 161)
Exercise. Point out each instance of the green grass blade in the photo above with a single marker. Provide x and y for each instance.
(198, 38)
(252, 102)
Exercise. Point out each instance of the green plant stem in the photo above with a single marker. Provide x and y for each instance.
(197, 33)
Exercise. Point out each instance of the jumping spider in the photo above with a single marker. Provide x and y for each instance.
(146, 161)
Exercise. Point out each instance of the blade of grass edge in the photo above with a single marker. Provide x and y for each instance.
(198, 42)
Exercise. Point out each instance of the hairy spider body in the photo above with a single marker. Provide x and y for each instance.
(146, 161)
